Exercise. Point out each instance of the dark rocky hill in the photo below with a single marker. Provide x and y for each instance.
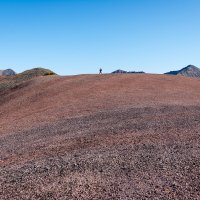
(7, 72)
(190, 71)
(119, 71)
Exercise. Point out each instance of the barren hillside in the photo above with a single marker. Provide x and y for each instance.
(117, 136)
(189, 71)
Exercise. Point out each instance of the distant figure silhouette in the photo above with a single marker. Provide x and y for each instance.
(100, 71)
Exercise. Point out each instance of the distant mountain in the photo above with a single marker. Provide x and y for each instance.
(7, 72)
(119, 71)
(134, 72)
(189, 71)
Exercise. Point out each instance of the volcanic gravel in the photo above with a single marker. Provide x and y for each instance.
(101, 137)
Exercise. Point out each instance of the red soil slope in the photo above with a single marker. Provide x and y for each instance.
(50, 98)
(117, 136)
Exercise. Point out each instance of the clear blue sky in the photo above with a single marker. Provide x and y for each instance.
(79, 36)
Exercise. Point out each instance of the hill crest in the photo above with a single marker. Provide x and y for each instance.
(7, 72)
(189, 71)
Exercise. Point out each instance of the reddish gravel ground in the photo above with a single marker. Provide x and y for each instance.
(103, 137)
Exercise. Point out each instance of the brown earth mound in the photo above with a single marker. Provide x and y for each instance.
(19, 80)
(101, 137)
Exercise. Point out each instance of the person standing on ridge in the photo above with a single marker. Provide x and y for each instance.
(100, 71)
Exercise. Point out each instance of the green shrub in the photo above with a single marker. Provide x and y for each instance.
(49, 74)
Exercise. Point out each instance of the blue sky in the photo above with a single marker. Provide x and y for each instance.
(79, 36)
